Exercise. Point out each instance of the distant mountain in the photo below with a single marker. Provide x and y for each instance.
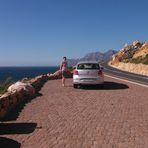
(108, 55)
(94, 56)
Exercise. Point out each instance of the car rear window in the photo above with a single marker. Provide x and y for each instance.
(88, 66)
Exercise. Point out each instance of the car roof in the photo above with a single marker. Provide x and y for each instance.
(83, 62)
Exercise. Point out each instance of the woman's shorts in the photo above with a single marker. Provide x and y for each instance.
(64, 74)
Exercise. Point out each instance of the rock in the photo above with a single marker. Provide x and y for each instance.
(18, 86)
(57, 73)
(21, 91)
(125, 45)
(127, 52)
(136, 43)
(38, 81)
(4, 101)
(3, 112)
(25, 80)
(145, 44)
(48, 74)
(13, 99)
(142, 52)
(21, 95)
(7, 94)
(30, 90)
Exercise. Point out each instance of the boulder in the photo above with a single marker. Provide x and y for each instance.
(137, 44)
(125, 45)
(13, 99)
(57, 73)
(24, 80)
(145, 44)
(18, 86)
(4, 100)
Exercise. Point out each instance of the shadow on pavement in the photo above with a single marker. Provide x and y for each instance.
(9, 143)
(17, 128)
(108, 85)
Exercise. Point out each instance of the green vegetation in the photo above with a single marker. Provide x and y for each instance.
(126, 60)
(143, 60)
(5, 84)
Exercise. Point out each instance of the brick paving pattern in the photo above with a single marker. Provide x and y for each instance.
(115, 117)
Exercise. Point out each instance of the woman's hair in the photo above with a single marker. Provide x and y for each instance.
(64, 58)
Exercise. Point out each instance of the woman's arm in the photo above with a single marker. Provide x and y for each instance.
(61, 66)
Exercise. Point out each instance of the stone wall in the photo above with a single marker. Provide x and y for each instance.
(24, 89)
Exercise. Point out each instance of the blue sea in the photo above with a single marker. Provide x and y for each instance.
(17, 73)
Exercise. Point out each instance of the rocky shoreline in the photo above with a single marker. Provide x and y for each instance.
(24, 90)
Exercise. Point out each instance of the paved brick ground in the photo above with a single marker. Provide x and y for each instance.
(115, 117)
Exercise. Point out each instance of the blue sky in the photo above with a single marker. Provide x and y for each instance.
(41, 32)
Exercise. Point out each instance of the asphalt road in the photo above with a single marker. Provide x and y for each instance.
(125, 75)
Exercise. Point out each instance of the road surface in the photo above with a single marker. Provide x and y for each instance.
(64, 117)
(125, 75)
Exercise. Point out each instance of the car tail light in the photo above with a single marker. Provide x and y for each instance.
(76, 72)
(100, 73)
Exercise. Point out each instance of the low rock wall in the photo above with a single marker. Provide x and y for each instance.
(14, 96)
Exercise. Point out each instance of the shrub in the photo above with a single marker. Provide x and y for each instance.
(143, 60)
(5, 84)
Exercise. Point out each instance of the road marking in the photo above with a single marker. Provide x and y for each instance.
(127, 81)
(143, 77)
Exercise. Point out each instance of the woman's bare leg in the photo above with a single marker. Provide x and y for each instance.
(63, 81)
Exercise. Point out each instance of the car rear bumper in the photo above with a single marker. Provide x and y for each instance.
(88, 81)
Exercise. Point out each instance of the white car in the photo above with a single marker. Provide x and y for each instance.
(88, 73)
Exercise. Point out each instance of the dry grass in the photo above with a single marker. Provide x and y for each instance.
(142, 52)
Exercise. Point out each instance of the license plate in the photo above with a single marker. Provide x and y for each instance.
(88, 79)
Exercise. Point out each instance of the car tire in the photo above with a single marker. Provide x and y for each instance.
(75, 85)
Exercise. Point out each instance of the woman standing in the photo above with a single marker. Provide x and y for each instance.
(63, 68)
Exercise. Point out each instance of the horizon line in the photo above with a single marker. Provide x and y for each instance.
(28, 66)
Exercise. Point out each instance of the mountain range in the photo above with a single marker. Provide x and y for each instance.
(94, 56)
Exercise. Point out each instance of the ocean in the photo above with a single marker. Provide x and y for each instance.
(17, 73)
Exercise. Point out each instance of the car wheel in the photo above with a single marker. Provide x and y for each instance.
(75, 85)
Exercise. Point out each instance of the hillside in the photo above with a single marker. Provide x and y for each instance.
(94, 56)
(136, 53)
(132, 58)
